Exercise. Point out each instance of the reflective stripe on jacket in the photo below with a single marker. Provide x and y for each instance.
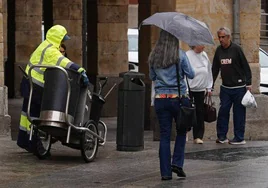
(34, 113)
(47, 53)
(24, 122)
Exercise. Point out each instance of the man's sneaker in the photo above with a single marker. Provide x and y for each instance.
(236, 142)
(222, 141)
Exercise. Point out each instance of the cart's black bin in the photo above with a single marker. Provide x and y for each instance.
(96, 107)
(54, 100)
(130, 117)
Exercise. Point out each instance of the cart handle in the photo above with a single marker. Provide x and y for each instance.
(24, 73)
(102, 84)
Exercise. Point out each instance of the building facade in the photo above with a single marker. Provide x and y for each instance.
(98, 29)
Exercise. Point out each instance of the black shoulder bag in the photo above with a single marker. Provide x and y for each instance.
(186, 118)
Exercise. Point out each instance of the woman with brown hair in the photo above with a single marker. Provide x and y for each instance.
(163, 62)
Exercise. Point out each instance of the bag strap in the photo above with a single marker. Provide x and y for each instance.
(208, 100)
(178, 79)
(189, 89)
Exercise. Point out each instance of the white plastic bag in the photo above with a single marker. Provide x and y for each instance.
(152, 94)
(249, 101)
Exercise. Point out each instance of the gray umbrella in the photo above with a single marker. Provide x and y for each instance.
(185, 28)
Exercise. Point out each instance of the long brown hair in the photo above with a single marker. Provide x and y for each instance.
(165, 52)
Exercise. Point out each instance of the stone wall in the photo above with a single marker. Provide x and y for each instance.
(220, 13)
(112, 33)
(217, 14)
(69, 14)
(4, 117)
(4, 8)
(112, 37)
(112, 47)
(108, 56)
(28, 35)
(133, 16)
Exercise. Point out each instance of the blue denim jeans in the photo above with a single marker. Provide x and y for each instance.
(167, 110)
(229, 97)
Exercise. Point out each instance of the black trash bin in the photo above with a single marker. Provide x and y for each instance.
(130, 117)
(55, 90)
(54, 100)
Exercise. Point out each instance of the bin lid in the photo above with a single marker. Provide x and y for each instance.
(131, 74)
(132, 81)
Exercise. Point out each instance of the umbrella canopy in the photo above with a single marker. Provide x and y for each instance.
(183, 27)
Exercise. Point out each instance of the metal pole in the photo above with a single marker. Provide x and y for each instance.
(236, 21)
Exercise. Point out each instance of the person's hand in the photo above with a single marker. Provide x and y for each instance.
(85, 78)
(208, 92)
(249, 87)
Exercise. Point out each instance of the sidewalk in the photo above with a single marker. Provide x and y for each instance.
(208, 165)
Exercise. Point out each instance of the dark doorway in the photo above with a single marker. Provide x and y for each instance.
(264, 5)
(10, 59)
(92, 41)
(47, 16)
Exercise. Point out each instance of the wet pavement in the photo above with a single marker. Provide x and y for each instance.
(229, 154)
(209, 165)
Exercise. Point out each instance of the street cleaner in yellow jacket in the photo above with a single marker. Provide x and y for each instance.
(47, 53)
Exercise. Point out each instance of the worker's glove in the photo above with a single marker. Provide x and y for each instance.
(85, 78)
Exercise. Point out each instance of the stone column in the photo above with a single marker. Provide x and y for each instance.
(4, 117)
(28, 35)
(112, 37)
(28, 19)
(106, 40)
(145, 39)
(69, 14)
(112, 49)
(250, 24)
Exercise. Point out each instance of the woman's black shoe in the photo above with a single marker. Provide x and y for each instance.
(166, 178)
(178, 170)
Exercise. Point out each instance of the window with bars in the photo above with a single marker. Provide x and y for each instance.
(264, 24)
(264, 5)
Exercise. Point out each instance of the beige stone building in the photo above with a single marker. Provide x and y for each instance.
(98, 29)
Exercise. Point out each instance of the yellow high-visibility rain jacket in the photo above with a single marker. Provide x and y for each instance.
(47, 53)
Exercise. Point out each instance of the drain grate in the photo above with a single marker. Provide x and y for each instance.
(229, 154)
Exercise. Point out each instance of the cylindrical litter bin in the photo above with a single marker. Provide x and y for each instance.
(130, 117)
(54, 100)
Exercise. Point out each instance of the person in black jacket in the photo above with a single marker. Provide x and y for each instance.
(236, 80)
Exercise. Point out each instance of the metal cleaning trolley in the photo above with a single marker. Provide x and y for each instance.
(69, 113)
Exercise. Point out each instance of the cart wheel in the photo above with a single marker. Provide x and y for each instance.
(43, 144)
(89, 143)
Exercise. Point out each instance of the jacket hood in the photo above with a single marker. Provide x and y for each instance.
(55, 34)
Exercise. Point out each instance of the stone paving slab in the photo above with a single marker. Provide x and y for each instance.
(126, 169)
(205, 165)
